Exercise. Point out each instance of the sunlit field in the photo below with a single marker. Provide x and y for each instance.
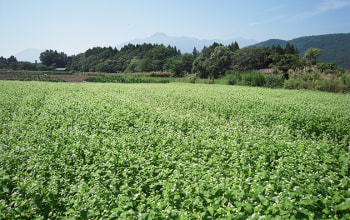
(155, 151)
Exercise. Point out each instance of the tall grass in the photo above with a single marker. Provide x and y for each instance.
(255, 78)
(315, 80)
(127, 79)
(304, 79)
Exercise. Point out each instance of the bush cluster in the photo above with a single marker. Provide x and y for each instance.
(153, 74)
(314, 79)
(255, 78)
(305, 79)
(126, 79)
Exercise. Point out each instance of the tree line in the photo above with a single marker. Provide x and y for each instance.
(49, 60)
(211, 62)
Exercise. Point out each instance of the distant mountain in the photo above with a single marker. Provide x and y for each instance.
(186, 44)
(335, 47)
(29, 55)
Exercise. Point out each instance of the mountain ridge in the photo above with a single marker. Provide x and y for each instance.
(185, 43)
(335, 47)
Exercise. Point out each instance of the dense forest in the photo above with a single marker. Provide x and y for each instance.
(213, 61)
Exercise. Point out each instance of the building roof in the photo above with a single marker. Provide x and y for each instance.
(60, 69)
(266, 70)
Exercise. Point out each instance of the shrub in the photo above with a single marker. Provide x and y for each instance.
(296, 83)
(274, 80)
(126, 79)
(193, 79)
(153, 74)
(235, 78)
(346, 81)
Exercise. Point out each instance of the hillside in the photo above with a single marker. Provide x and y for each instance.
(335, 47)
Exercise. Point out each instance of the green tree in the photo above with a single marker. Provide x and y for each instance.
(252, 58)
(233, 46)
(107, 66)
(195, 53)
(53, 59)
(174, 65)
(326, 67)
(312, 54)
(3, 63)
(279, 50)
(201, 64)
(179, 64)
(220, 61)
(290, 49)
(285, 62)
(10, 63)
(11, 59)
(134, 65)
(148, 65)
(187, 60)
(26, 66)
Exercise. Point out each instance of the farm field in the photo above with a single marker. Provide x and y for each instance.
(178, 151)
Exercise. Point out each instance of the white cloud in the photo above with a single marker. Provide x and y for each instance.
(332, 5)
(277, 18)
(325, 6)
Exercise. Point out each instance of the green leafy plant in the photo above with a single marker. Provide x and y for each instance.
(97, 150)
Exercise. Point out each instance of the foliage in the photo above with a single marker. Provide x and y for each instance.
(285, 62)
(217, 59)
(195, 53)
(315, 79)
(13, 64)
(178, 151)
(201, 63)
(36, 78)
(152, 74)
(312, 54)
(26, 73)
(175, 65)
(211, 65)
(254, 78)
(328, 67)
(251, 58)
(6, 62)
(220, 61)
(53, 59)
(130, 58)
(126, 79)
(233, 46)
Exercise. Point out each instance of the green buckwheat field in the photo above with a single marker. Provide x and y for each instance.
(176, 151)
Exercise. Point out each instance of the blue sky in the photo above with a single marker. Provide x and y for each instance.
(73, 26)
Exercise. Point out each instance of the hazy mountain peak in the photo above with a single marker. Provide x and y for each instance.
(159, 34)
(186, 44)
(29, 55)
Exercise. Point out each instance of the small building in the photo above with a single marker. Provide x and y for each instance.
(267, 71)
(60, 69)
